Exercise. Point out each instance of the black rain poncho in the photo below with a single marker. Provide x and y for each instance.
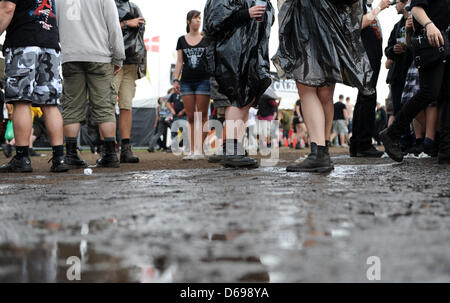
(320, 44)
(238, 52)
(135, 49)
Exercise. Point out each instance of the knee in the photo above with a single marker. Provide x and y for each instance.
(190, 119)
(326, 100)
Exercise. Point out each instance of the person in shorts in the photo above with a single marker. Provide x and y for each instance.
(340, 122)
(92, 54)
(192, 79)
(32, 76)
(134, 68)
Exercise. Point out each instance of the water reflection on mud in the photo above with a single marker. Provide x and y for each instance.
(220, 225)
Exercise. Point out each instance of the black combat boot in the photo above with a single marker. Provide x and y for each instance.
(317, 161)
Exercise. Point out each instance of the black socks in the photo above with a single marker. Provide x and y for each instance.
(22, 152)
(110, 145)
(58, 151)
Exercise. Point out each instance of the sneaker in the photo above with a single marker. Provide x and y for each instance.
(7, 150)
(392, 146)
(151, 149)
(59, 165)
(16, 165)
(189, 157)
(126, 155)
(108, 160)
(416, 149)
(316, 162)
(193, 157)
(344, 146)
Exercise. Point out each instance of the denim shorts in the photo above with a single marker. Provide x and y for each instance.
(195, 88)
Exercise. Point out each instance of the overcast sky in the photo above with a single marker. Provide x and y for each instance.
(167, 19)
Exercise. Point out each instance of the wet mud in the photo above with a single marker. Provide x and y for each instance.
(166, 220)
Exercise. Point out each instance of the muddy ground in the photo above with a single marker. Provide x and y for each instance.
(165, 220)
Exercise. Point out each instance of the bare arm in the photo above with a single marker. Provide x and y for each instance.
(368, 18)
(7, 10)
(177, 72)
(179, 65)
(297, 110)
(346, 115)
(170, 107)
(434, 34)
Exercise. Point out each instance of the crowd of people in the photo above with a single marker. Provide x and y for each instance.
(227, 61)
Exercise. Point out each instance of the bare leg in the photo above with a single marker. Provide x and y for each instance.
(431, 124)
(72, 130)
(108, 129)
(325, 95)
(54, 125)
(189, 105)
(419, 125)
(239, 115)
(313, 113)
(202, 102)
(125, 122)
(32, 138)
(22, 123)
(342, 138)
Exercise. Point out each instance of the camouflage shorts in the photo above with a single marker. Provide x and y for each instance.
(32, 74)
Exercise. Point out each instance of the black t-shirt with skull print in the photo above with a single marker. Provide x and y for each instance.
(195, 66)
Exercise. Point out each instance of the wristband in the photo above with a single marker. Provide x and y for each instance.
(176, 80)
(125, 25)
(428, 23)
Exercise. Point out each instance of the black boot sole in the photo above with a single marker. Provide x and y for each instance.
(109, 165)
(239, 165)
(17, 171)
(215, 160)
(129, 161)
(60, 170)
(73, 166)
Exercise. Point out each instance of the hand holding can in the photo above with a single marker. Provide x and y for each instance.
(258, 10)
